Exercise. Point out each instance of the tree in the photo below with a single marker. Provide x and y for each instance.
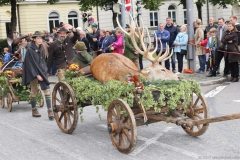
(200, 3)
(87, 5)
(13, 4)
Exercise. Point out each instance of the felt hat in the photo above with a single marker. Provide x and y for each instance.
(37, 34)
(62, 29)
(80, 46)
(94, 25)
(127, 26)
(23, 36)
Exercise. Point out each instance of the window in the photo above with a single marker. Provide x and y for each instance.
(172, 13)
(53, 19)
(185, 17)
(73, 19)
(153, 18)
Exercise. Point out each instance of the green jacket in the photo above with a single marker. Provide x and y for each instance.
(83, 58)
(129, 48)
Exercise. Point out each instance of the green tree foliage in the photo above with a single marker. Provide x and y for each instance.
(200, 3)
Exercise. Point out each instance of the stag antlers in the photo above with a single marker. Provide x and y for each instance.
(146, 51)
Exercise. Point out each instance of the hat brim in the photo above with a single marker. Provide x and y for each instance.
(34, 36)
(25, 36)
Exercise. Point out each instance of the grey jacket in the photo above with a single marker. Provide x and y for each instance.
(219, 43)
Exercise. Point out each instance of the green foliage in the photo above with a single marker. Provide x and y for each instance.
(170, 93)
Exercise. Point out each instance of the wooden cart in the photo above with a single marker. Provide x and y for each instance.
(12, 97)
(122, 119)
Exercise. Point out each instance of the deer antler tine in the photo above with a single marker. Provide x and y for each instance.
(163, 57)
(122, 28)
(159, 54)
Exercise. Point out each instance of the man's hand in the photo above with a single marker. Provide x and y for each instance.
(230, 41)
(94, 39)
(39, 78)
(67, 26)
(136, 52)
(100, 49)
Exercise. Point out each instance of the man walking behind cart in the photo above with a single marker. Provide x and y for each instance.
(35, 71)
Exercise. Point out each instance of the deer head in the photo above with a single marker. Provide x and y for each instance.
(155, 71)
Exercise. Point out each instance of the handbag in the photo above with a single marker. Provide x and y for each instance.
(183, 52)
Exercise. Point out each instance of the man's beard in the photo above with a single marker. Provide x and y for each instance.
(62, 38)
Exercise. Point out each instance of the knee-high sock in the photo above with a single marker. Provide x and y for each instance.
(33, 102)
(48, 101)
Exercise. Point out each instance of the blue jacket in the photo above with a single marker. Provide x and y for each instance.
(213, 45)
(173, 33)
(106, 42)
(181, 40)
(7, 57)
(164, 36)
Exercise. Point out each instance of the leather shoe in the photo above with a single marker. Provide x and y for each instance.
(211, 75)
(235, 80)
(231, 79)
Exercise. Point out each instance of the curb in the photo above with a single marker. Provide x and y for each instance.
(212, 82)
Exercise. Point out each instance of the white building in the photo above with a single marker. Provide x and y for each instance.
(171, 8)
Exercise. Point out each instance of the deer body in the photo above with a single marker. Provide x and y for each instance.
(112, 66)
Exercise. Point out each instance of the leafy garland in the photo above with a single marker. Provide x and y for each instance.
(171, 93)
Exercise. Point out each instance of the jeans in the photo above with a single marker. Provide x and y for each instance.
(53, 68)
(173, 61)
(167, 64)
(180, 61)
(202, 62)
(140, 61)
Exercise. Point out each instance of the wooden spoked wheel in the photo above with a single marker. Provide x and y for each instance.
(65, 107)
(122, 126)
(9, 102)
(40, 98)
(197, 109)
(2, 101)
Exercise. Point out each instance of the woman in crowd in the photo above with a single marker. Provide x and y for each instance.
(108, 40)
(200, 51)
(181, 47)
(100, 40)
(118, 45)
(230, 40)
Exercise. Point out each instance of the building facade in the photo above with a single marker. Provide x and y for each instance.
(171, 8)
(39, 15)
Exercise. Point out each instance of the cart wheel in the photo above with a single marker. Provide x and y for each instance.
(40, 98)
(197, 109)
(2, 102)
(9, 102)
(122, 126)
(65, 107)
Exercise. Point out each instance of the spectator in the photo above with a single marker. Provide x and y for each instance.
(173, 33)
(221, 31)
(233, 19)
(162, 36)
(130, 50)
(46, 36)
(204, 44)
(230, 40)
(83, 58)
(108, 40)
(118, 44)
(7, 55)
(22, 48)
(211, 46)
(181, 47)
(85, 40)
(54, 35)
(100, 41)
(209, 26)
(200, 51)
(92, 38)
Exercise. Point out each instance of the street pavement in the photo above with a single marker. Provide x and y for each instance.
(25, 138)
